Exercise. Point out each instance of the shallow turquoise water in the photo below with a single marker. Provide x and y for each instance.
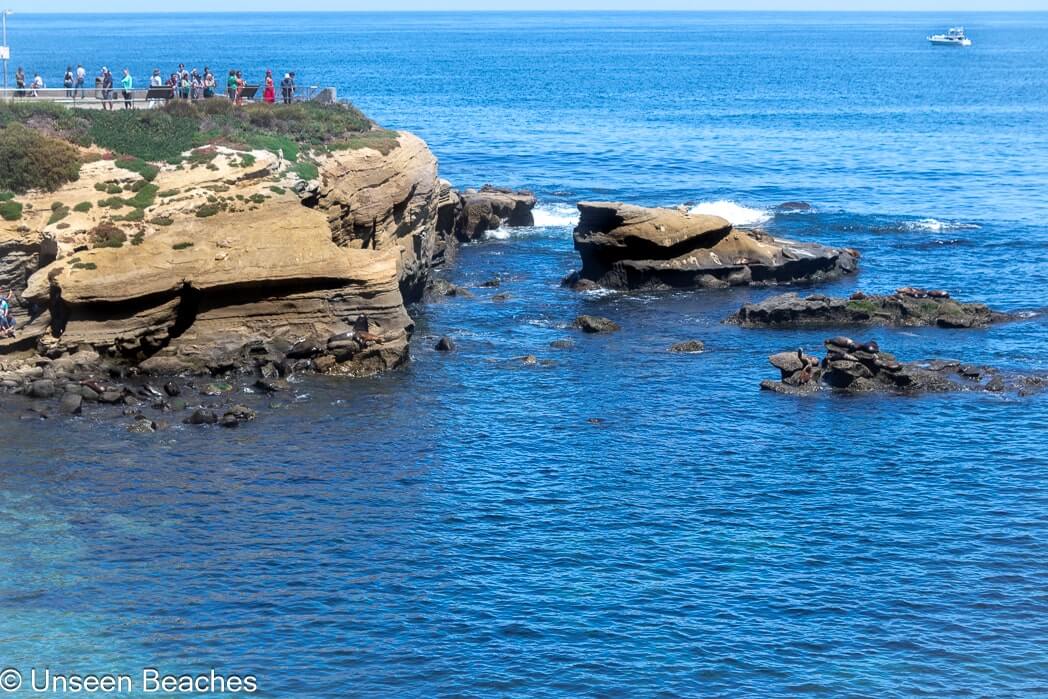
(461, 527)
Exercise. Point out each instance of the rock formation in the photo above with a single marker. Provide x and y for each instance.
(632, 247)
(862, 368)
(906, 307)
(491, 207)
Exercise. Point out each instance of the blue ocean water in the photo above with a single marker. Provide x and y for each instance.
(622, 522)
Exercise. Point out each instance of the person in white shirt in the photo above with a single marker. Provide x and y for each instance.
(81, 76)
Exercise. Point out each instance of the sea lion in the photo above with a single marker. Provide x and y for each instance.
(938, 294)
(871, 347)
(857, 296)
(843, 342)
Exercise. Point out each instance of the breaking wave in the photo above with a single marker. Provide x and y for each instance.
(934, 225)
(736, 214)
(555, 215)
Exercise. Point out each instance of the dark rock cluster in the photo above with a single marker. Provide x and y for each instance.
(854, 367)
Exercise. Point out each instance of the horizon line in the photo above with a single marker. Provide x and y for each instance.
(17, 13)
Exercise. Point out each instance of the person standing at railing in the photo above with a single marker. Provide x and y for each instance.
(128, 83)
(37, 86)
(155, 81)
(67, 82)
(231, 85)
(209, 83)
(81, 75)
(287, 90)
(241, 84)
(19, 82)
(107, 89)
(269, 94)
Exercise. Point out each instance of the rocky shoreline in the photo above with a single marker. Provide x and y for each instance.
(179, 290)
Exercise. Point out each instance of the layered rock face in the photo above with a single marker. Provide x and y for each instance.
(632, 247)
(854, 367)
(906, 308)
(206, 269)
(194, 296)
(385, 201)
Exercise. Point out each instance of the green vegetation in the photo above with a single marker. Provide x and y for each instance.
(58, 212)
(162, 221)
(257, 198)
(30, 159)
(7, 196)
(137, 238)
(275, 189)
(306, 170)
(167, 193)
(106, 235)
(10, 210)
(144, 197)
(83, 207)
(206, 210)
(86, 265)
(133, 215)
(181, 246)
(147, 171)
(247, 160)
(162, 135)
(863, 306)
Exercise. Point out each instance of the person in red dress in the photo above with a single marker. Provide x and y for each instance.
(269, 94)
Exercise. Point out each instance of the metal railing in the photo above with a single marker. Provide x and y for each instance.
(148, 97)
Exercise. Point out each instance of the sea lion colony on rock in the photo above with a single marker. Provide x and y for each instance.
(861, 368)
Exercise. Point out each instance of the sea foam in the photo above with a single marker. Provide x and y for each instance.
(736, 214)
(555, 215)
(936, 226)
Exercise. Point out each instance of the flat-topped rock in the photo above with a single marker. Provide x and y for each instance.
(906, 308)
(631, 247)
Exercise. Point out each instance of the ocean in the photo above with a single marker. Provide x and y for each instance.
(621, 521)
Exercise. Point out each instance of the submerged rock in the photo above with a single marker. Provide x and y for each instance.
(688, 347)
(596, 324)
(854, 367)
(898, 309)
(632, 247)
(445, 344)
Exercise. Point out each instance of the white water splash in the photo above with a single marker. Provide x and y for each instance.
(555, 215)
(736, 214)
(934, 225)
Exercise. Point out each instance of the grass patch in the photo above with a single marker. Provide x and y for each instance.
(306, 170)
(146, 170)
(137, 238)
(383, 141)
(144, 198)
(275, 189)
(206, 210)
(181, 246)
(6, 196)
(162, 221)
(10, 210)
(247, 160)
(82, 207)
(167, 193)
(58, 212)
(85, 265)
(257, 198)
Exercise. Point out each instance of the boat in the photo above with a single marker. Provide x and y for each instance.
(954, 37)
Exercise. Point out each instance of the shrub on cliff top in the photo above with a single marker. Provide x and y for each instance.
(31, 160)
(10, 210)
(106, 235)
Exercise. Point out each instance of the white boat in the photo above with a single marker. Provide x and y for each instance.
(954, 37)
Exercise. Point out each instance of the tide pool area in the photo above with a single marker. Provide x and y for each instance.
(612, 518)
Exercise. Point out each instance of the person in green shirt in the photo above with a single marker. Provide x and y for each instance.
(127, 83)
(231, 85)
